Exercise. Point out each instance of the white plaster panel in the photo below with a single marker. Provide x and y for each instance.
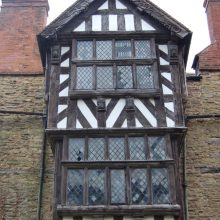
(129, 23)
(152, 101)
(96, 22)
(62, 124)
(147, 114)
(164, 48)
(87, 113)
(104, 6)
(170, 106)
(113, 23)
(94, 101)
(78, 124)
(163, 62)
(166, 90)
(64, 50)
(149, 218)
(63, 77)
(81, 27)
(138, 124)
(167, 76)
(61, 108)
(119, 5)
(170, 122)
(125, 124)
(65, 63)
(146, 27)
(64, 92)
(168, 218)
(115, 113)
(107, 101)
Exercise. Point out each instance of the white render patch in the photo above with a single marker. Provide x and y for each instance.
(152, 101)
(81, 27)
(78, 124)
(94, 101)
(168, 218)
(63, 78)
(170, 106)
(62, 124)
(96, 23)
(125, 124)
(129, 23)
(104, 6)
(64, 92)
(119, 5)
(146, 27)
(163, 62)
(147, 114)
(115, 113)
(164, 48)
(65, 63)
(170, 122)
(62, 108)
(87, 113)
(107, 101)
(166, 90)
(138, 124)
(167, 76)
(113, 23)
(64, 50)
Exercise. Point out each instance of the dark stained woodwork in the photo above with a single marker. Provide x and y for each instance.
(72, 113)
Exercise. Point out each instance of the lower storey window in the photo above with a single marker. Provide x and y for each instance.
(136, 186)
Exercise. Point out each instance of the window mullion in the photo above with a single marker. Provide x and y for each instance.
(94, 77)
(149, 181)
(107, 186)
(128, 185)
(134, 73)
(115, 84)
(86, 184)
(86, 148)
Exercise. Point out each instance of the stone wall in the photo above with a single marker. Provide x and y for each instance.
(203, 148)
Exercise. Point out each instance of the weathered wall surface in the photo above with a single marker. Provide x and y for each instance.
(20, 149)
(203, 148)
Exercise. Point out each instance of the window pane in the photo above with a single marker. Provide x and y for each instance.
(84, 78)
(123, 49)
(116, 149)
(157, 148)
(145, 77)
(104, 50)
(84, 50)
(96, 149)
(124, 77)
(136, 148)
(160, 186)
(96, 187)
(139, 187)
(117, 186)
(142, 49)
(76, 149)
(75, 179)
(104, 77)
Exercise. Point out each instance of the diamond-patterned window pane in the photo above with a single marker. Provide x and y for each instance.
(76, 149)
(117, 186)
(139, 187)
(145, 77)
(123, 49)
(84, 50)
(104, 77)
(160, 186)
(104, 50)
(96, 149)
(84, 77)
(124, 77)
(142, 49)
(136, 148)
(96, 187)
(157, 148)
(116, 149)
(75, 180)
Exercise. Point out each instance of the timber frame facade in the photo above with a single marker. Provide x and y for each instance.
(115, 82)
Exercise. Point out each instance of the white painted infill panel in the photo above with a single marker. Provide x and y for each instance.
(115, 113)
(152, 101)
(129, 23)
(119, 5)
(164, 48)
(168, 218)
(138, 124)
(65, 63)
(64, 50)
(96, 23)
(62, 124)
(78, 124)
(94, 101)
(167, 76)
(113, 23)
(125, 124)
(87, 113)
(107, 101)
(104, 6)
(81, 27)
(166, 90)
(63, 77)
(170, 106)
(62, 108)
(163, 62)
(170, 122)
(64, 92)
(149, 218)
(146, 27)
(147, 114)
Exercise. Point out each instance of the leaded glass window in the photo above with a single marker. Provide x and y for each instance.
(142, 49)
(144, 77)
(104, 50)
(123, 49)
(84, 77)
(84, 50)
(116, 149)
(124, 77)
(104, 77)
(157, 148)
(117, 186)
(96, 149)
(136, 148)
(76, 149)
